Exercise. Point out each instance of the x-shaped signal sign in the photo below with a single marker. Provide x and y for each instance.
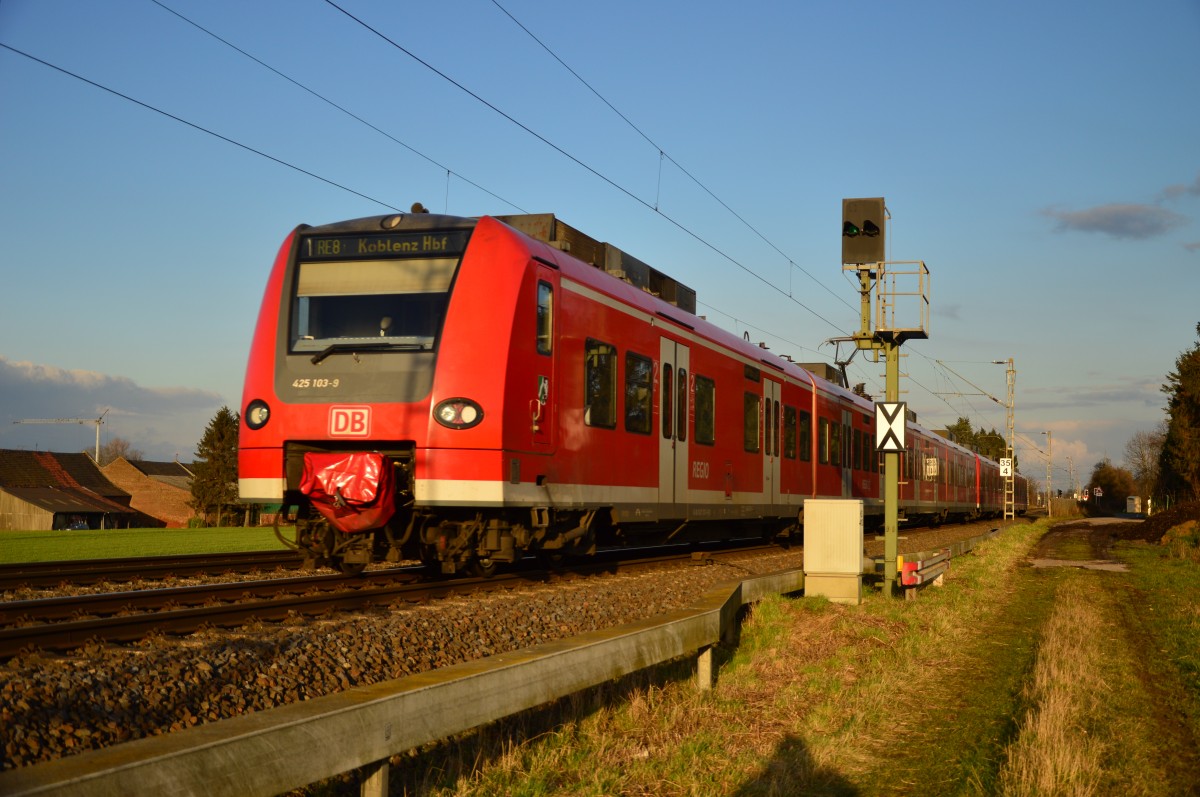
(889, 427)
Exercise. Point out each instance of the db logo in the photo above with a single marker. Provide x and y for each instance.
(349, 421)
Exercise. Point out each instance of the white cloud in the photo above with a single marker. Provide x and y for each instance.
(161, 422)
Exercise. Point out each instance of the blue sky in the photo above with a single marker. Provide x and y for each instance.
(1041, 158)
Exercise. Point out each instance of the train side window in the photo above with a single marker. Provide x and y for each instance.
(600, 384)
(668, 390)
(706, 410)
(752, 415)
(775, 430)
(768, 430)
(638, 393)
(823, 441)
(835, 444)
(789, 432)
(682, 408)
(857, 448)
(805, 436)
(545, 317)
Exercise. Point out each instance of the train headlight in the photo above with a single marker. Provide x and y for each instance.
(458, 413)
(257, 414)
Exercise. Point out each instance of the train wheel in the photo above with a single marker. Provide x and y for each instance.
(315, 540)
(484, 567)
(351, 568)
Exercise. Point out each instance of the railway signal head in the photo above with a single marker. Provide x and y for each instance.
(863, 224)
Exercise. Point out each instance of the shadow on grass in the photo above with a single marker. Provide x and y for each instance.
(792, 770)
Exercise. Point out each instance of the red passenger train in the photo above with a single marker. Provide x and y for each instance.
(467, 391)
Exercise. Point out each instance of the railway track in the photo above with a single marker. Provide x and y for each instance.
(53, 624)
(63, 623)
(94, 571)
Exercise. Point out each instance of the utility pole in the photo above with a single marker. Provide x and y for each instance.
(863, 250)
(84, 421)
(1049, 464)
(1008, 461)
(1010, 497)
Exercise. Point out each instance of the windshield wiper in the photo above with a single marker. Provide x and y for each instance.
(331, 348)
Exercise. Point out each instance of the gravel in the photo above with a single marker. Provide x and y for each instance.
(52, 706)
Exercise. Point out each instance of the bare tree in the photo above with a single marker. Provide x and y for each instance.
(116, 448)
(1142, 454)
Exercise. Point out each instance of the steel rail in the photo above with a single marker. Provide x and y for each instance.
(108, 603)
(92, 571)
(132, 627)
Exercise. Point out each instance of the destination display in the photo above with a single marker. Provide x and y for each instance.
(374, 247)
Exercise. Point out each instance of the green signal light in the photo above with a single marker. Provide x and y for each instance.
(851, 231)
(870, 229)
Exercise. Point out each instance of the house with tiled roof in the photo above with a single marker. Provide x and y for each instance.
(42, 490)
(161, 491)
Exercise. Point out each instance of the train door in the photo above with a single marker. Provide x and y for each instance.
(929, 490)
(542, 390)
(674, 407)
(771, 461)
(847, 453)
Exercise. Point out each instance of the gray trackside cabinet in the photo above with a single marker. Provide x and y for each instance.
(833, 549)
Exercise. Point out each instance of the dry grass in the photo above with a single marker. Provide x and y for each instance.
(1097, 721)
(1057, 750)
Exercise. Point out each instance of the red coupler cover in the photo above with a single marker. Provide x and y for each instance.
(354, 492)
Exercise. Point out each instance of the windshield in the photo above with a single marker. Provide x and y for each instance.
(371, 303)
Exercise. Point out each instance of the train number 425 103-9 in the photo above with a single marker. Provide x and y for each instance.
(304, 384)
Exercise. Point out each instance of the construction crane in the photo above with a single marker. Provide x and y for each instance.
(84, 421)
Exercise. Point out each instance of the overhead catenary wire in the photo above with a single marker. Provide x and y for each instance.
(412, 149)
(333, 104)
(200, 128)
(239, 144)
(663, 155)
(594, 171)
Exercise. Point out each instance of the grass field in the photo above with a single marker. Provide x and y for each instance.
(47, 546)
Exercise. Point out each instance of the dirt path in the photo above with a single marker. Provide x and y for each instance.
(1145, 741)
